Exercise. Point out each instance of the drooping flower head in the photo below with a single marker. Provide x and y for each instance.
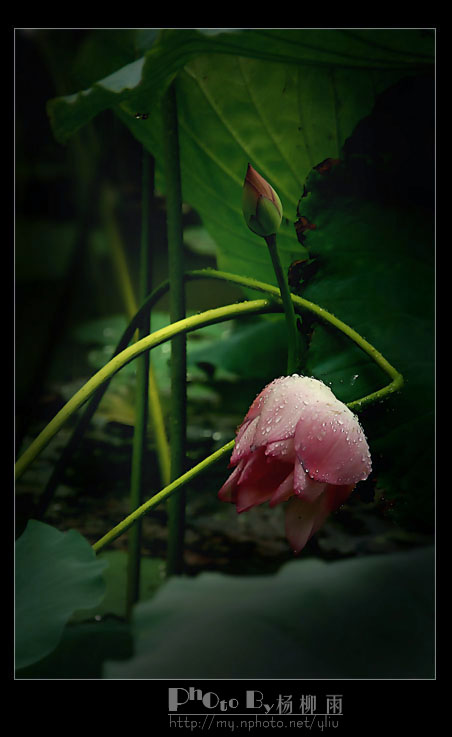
(261, 205)
(300, 445)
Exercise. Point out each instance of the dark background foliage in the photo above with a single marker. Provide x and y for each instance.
(369, 260)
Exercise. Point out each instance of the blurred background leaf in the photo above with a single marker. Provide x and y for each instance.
(370, 617)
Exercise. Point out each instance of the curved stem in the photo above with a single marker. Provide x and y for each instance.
(178, 362)
(162, 495)
(293, 339)
(197, 321)
(131, 308)
(324, 316)
(395, 385)
(209, 317)
(300, 304)
(94, 385)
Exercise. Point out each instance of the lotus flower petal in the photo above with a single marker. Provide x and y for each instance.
(284, 450)
(300, 518)
(228, 492)
(304, 486)
(331, 444)
(283, 492)
(244, 440)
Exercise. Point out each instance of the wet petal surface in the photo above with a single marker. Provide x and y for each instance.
(331, 444)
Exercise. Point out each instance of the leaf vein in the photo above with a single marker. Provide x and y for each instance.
(269, 131)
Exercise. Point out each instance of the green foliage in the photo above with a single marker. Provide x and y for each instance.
(56, 574)
(282, 100)
(82, 650)
(369, 617)
(143, 80)
(285, 100)
(374, 246)
(152, 571)
(199, 240)
(253, 349)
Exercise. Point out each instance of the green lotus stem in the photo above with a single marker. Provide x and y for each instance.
(141, 399)
(136, 477)
(293, 338)
(178, 363)
(194, 322)
(161, 496)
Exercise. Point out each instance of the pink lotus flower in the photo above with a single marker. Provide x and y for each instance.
(300, 445)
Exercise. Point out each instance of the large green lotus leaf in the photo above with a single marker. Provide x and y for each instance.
(282, 100)
(143, 80)
(383, 307)
(282, 119)
(382, 286)
(374, 245)
(368, 617)
(57, 573)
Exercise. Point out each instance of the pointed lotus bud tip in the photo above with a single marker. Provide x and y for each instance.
(261, 205)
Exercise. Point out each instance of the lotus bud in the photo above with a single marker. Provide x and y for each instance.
(262, 207)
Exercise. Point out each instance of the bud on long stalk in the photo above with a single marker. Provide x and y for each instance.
(262, 210)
